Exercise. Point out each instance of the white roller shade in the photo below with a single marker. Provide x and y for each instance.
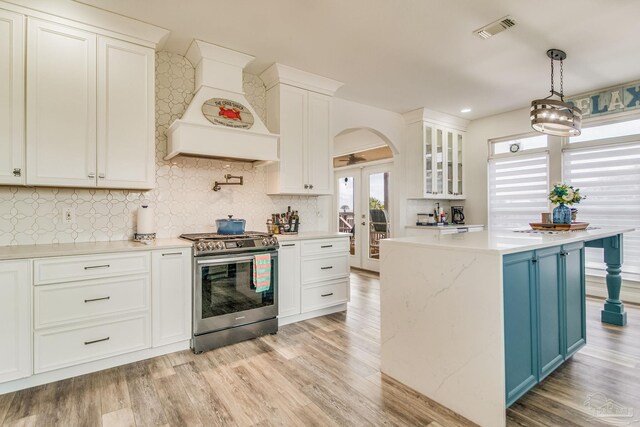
(518, 188)
(610, 178)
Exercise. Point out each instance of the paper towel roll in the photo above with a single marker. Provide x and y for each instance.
(146, 223)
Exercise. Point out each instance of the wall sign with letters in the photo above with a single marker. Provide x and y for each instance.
(608, 101)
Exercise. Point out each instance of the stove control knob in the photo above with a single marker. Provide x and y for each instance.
(210, 246)
(265, 241)
(219, 246)
(201, 246)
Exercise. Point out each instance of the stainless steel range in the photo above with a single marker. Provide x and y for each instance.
(227, 305)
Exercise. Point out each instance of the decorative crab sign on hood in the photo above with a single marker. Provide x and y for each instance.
(226, 112)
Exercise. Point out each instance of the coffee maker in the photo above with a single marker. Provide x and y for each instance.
(457, 214)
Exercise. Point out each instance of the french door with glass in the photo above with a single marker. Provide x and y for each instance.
(363, 206)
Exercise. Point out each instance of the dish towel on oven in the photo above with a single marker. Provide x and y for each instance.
(262, 272)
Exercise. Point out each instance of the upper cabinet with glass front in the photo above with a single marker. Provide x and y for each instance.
(435, 168)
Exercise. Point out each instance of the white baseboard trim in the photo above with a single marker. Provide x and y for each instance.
(86, 368)
(310, 315)
(597, 287)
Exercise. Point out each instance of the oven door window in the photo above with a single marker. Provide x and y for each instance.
(228, 288)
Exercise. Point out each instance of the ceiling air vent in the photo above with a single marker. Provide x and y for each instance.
(495, 27)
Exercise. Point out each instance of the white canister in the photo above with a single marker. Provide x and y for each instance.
(146, 222)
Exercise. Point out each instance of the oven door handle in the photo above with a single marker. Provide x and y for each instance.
(227, 260)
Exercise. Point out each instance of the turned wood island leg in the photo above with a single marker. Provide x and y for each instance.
(613, 312)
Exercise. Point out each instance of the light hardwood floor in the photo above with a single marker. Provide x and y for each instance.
(322, 372)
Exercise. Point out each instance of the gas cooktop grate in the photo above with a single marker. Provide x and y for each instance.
(213, 236)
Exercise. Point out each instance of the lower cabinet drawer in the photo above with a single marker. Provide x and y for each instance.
(54, 349)
(324, 296)
(86, 267)
(55, 305)
(326, 268)
(324, 246)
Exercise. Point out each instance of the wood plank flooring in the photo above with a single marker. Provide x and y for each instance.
(321, 372)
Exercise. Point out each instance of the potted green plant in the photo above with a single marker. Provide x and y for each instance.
(564, 196)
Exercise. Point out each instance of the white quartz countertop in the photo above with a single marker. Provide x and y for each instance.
(503, 242)
(310, 235)
(438, 227)
(64, 249)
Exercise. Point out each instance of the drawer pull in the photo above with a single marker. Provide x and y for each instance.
(288, 245)
(326, 295)
(172, 253)
(326, 246)
(326, 268)
(93, 267)
(96, 341)
(97, 299)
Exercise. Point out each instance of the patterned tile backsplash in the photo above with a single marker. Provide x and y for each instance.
(183, 200)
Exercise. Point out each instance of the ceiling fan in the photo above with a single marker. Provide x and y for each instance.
(353, 159)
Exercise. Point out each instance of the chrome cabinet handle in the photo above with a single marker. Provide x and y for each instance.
(97, 299)
(326, 246)
(306, 186)
(17, 172)
(326, 295)
(310, 186)
(96, 341)
(93, 267)
(326, 268)
(101, 175)
(91, 175)
(172, 253)
(287, 245)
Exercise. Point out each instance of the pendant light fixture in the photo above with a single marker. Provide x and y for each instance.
(553, 116)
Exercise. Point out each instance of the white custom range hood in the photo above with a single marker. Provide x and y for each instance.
(219, 76)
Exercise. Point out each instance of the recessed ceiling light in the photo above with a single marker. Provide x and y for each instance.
(465, 110)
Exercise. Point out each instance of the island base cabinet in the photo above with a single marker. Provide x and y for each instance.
(549, 310)
(544, 314)
(576, 333)
(15, 320)
(520, 339)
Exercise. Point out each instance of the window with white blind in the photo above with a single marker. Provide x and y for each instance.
(609, 177)
(518, 188)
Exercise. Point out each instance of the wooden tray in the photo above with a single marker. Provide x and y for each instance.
(559, 227)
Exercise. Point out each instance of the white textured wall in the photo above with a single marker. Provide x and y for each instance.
(183, 199)
(476, 153)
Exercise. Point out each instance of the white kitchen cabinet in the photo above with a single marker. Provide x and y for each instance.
(12, 170)
(302, 118)
(299, 109)
(289, 279)
(90, 307)
(171, 296)
(313, 278)
(319, 163)
(125, 128)
(15, 320)
(61, 105)
(434, 161)
(90, 109)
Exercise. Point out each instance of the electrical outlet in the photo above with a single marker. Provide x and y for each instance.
(69, 215)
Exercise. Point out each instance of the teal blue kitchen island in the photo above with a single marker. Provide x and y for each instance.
(475, 320)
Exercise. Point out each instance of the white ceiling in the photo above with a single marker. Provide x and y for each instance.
(404, 54)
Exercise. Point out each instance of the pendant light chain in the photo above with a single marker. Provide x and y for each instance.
(561, 80)
(552, 78)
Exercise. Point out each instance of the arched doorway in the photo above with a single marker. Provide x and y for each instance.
(363, 206)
